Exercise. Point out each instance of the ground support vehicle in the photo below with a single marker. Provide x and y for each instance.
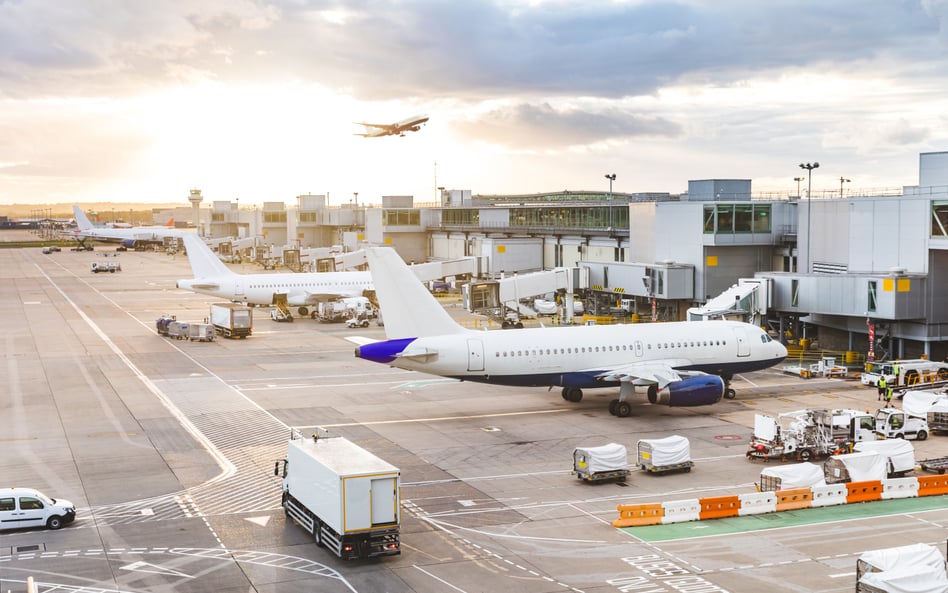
(281, 308)
(105, 266)
(598, 464)
(659, 456)
(201, 332)
(899, 455)
(919, 568)
(357, 322)
(162, 323)
(939, 465)
(344, 495)
(900, 374)
(331, 312)
(826, 367)
(26, 507)
(892, 423)
(179, 330)
(232, 320)
(808, 434)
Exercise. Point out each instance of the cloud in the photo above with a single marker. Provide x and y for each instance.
(528, 126)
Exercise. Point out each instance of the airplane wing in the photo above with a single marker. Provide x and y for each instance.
(380, 126)
(661, 372)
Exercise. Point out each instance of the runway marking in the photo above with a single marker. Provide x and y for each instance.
(435, 419)
(439, 579)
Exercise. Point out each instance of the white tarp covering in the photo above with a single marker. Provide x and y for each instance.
(606, 458)
(667, 451)
(939, 406)
(899, 452)
(796, 475)
(765, 427)
(861, 467)
(917, 403)
(917, 568)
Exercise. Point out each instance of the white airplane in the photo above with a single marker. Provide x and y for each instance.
(412, 124)
(678, 363)
(126, 236)
(302, 290)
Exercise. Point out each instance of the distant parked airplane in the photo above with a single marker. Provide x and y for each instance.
(126, 236)
(678, 364)
(412, 124)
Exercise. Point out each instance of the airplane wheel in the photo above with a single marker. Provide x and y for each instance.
(573, 394)
(623, 409)
(730, 393)
(612, 406)
(303, 311)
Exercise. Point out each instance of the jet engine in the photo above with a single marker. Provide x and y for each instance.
(702, 390)
(128, 243)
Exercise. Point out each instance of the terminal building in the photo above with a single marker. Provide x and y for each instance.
(836, 268)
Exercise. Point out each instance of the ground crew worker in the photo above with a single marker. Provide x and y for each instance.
(895, 371)
(882, 387)
(888, 396)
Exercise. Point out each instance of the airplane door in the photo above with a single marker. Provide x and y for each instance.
(743, 347)
(238, 289)
(475, 355)
(638, 349)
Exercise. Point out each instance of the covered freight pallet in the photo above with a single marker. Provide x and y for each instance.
(899, 453)
(664, 455)
(794, 475)
(855, 467)
(607, 462)
(916, 568)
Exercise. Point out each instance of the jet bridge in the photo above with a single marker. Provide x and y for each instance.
(507, 293)
(748, 300)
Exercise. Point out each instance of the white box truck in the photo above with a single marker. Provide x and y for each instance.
(345, 496)
(232, 320)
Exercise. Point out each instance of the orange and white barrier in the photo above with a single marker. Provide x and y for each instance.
(757, 503)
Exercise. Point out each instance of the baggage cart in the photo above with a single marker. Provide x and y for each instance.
(597, 464)
(660, 456)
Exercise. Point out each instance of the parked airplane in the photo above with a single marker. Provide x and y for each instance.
(126, 236)
(678, 364)
(412, 124)
(303, 290)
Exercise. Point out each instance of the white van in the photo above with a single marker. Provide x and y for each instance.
(26, 507)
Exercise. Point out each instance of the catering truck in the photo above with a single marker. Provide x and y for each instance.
(345, 496)
(232, 320)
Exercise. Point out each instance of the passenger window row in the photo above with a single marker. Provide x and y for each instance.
(593, 349)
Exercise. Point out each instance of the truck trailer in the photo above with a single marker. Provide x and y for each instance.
(232, 320)
(342, 494)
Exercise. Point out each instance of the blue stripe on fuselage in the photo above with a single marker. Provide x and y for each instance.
(384, 352)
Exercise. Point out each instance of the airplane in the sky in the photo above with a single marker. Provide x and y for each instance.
(126, 236)
(303, 290)
(677, 363)
(412, 124)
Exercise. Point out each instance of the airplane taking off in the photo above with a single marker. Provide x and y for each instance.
(303, 290)
(126, 236)
(412, 124)
(677, 363)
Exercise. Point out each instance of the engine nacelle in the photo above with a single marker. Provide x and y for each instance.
(703, 390)
(128, 243)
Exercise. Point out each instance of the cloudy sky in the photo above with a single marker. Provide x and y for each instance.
(255, 100)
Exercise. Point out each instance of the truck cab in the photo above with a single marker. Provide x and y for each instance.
(892, 423)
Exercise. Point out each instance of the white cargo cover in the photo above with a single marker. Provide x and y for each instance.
(606, 458)
(667, 451)
(861, 467)
(899, 452)
(918, 568)
(796, 475)
(765, 428)
(917, 403)
(940, 406)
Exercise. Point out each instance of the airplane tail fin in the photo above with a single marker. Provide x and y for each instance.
(204, 262)
(409, 310)
(170, 223)
(82, 221)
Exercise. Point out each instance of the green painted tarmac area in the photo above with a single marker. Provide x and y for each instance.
(812, 516)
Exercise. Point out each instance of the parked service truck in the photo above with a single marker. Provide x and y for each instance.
(345, 496)
(232, 320)
(808, 434)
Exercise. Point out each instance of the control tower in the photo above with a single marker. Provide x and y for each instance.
(196, 198)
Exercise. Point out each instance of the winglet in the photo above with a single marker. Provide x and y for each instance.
(409, 310)
(204, 262)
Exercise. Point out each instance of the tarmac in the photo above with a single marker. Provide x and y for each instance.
(168, 448)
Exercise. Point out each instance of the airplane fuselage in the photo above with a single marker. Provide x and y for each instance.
(577, 357)
(301, 289)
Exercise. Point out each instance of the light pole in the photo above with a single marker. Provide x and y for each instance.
(842, 180)
(611, 177)
(798, 180)
(809, 198)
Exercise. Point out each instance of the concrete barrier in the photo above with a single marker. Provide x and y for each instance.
(757, 503)
(932, 485)
(829, 495)
(634, 515)
(680, 511)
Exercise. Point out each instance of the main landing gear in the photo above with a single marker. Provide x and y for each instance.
(729, 393)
